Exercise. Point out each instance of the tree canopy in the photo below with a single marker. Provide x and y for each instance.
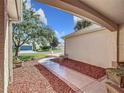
(31, 30)
(82, 24)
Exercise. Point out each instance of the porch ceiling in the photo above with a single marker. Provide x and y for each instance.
(95, 10)
(113, 9)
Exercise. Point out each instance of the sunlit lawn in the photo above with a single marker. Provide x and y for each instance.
(54, 50)
(33, 56)
(28, 57)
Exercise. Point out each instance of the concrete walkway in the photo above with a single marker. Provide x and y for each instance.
(80, 82)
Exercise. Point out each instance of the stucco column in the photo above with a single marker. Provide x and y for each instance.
(1, 46)
(6, 58)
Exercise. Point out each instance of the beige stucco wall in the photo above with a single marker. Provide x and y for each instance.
(5, 50)
(1, 46)
(6, 45)
(96, 48)
(121, 43)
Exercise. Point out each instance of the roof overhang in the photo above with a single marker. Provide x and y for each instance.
(78, 8)
(15, 10)
(90, 29)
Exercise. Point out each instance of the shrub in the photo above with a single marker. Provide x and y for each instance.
(16, 60)
(26, 58)
(46, 48)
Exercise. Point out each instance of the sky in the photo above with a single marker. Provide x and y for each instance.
(61, 22)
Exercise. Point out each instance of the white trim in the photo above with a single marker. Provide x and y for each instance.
(85, 31)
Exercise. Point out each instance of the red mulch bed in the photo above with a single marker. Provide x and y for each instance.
(90, 70)
(57, 84)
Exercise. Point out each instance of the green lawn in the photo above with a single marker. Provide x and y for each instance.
(28, 57)
(54, 50)
(57, 50)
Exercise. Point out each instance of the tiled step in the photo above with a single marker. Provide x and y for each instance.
(74, 79)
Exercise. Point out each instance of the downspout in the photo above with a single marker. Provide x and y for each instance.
(10, 53)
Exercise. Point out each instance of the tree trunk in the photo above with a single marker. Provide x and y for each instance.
(51, 49)
(16, 51)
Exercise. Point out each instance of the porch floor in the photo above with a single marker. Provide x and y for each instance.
(79, 82)
(28, 79)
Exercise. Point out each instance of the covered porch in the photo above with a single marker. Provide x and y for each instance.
(108, 14)
(48, 76)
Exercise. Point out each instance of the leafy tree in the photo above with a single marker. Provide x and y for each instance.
(51, 37)
(31, 30)
(55, 42)
(82, 24)
(45, 37)
(26, 30)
